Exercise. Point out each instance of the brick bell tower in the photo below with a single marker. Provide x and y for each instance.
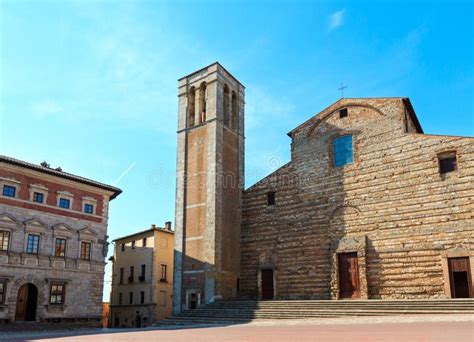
(209, 184)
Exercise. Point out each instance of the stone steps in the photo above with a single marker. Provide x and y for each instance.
(227, 312)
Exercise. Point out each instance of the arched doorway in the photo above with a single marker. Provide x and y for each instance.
(26, 303)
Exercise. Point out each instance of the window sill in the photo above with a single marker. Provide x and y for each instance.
(270, 208)
(448, 175)
(55, 307)
(30, 255)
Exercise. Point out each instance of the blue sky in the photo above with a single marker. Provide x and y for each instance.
(91, 85)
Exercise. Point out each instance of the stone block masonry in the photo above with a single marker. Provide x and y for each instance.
(390, 206)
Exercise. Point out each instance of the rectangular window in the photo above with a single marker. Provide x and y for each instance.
(38, 197)
(142, 275)
(4, 240)
(9, 191)
(142, 297)
(85, 250)
(121, 276)
(3, 291)
(342, 148)
(447, 163)
(120, 298)
(33, 244)
(88, 208)
(271, 198)
(57, 292)
(123, 247)
(131, 276)
(60, 248)
(144, 242)
(343, 113)
(64, 203)
(130, 298)
(163, 272)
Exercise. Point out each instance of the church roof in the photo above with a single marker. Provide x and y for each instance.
(343, 102)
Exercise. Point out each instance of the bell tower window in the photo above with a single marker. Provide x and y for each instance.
(226, 106)
(235, 114)
(191, 106)
(202, 102)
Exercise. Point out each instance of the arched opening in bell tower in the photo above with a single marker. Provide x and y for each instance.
(191, 106)
(202, 102)
(235, 114)
(226, 106)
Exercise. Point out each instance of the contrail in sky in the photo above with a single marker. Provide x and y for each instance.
(124, 173)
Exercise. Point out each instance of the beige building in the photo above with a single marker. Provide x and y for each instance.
(53, 243)
(142, 277)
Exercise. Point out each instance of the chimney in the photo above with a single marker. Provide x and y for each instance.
(153, 226)
(168, 225)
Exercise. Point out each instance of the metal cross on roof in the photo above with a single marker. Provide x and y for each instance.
(341, 89)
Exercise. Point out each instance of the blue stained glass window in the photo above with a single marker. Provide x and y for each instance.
(343, 153)
(64, 203)
(9, 191)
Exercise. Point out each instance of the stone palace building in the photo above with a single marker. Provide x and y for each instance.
(369, 206)
(53, 243)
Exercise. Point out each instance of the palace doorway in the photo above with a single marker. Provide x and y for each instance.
(26, 303)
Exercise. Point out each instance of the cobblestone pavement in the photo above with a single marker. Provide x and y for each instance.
(412, 328)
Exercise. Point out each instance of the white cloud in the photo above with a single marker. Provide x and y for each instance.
(336, 19)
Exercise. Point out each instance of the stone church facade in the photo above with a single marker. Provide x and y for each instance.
(53, 244)
(368, 206)
(395, 221)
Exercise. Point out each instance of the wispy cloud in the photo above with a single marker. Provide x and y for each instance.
(336, 19)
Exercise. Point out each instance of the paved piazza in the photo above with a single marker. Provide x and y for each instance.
(440, 328)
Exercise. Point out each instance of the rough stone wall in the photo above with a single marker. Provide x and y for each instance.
(392, 197)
